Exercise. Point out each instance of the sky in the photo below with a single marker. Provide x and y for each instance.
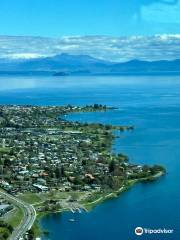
(115, 30)
(56, 18)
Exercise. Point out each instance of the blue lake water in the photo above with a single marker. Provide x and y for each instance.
(152, 105)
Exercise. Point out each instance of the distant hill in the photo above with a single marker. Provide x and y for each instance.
(65, 64)
(136, 66)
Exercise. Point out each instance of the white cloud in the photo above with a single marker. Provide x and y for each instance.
(25, 55)
(109, 48)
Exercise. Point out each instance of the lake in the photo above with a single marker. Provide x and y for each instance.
(152, 105)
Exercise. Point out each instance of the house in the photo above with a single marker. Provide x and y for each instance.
(4, 208)
(88, 175)
(41, 188)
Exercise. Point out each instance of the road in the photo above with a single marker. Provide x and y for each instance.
(29, 216)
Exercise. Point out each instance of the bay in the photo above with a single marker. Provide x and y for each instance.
(152, 105)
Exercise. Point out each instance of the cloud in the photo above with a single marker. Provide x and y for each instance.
(25, 55)
(117, 49)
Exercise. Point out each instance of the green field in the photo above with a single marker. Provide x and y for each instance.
(16, 218)
(31, 198)
(4, 150)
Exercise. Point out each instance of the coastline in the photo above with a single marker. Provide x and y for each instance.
(125, 176)
(91, 205)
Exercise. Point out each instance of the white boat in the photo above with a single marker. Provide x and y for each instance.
(72, 220)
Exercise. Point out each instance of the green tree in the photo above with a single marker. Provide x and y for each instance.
(112, 166)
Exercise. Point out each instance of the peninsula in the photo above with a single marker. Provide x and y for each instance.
(49, 164)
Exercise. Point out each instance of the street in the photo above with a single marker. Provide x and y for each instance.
(29, 216)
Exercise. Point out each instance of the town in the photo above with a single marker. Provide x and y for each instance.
(42, 154)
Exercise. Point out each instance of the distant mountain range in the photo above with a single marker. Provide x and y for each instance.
(66, 64)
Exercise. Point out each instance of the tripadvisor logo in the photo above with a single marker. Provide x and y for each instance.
(140, 231)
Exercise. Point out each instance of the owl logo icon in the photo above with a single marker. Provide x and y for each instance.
(139, 231)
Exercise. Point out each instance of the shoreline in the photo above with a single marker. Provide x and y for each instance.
(122, 189)
(91, 205)
(120, 174)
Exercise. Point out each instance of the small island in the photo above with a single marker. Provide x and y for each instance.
(49, 164)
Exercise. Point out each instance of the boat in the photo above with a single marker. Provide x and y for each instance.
(72, 220)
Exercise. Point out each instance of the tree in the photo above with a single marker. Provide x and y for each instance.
(112, 166)
(78, 181)
(156, 168)
(58, 172)
(31, 234)
(115, 183)
(96, 106)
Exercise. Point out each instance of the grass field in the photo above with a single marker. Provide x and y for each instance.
(31, 198)
(4, 150)
(16, 218)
